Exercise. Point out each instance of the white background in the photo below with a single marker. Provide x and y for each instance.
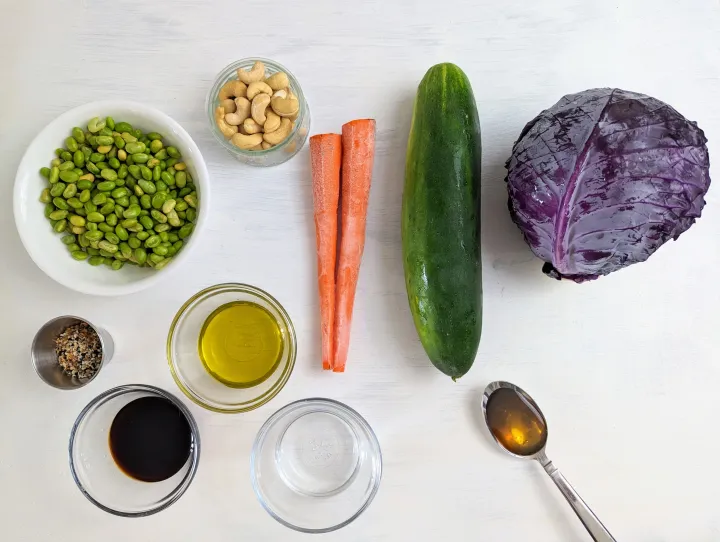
(625, 368)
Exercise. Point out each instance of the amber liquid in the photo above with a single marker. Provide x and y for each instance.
(150, 439)
(515, 422)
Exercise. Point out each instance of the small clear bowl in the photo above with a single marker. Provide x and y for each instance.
(275, 155)
(184, 358)
(316, 465)
(101, 480)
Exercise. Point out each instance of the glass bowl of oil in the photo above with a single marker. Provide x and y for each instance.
(231, 348)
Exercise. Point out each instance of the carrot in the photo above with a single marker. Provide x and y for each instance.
(325, 157)
(358, 142)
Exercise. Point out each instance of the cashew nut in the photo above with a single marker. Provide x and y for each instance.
(228, 105)
(280, 134)
(272, 121)
(277, 81)
(285, 107)
(233, 119)
(256, 88)
(224, 127)
(259, 105)
(243, 108)
(265, 145)
(246, 142)
(257, 147)
(256, 73)
(282, 93)
(232, 89)
(251, 127)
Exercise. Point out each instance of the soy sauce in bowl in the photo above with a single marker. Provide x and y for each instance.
(150, 439)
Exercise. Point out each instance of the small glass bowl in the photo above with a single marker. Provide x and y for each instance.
(101, 480)
(184, 358)
(316, 465)
(279, 153)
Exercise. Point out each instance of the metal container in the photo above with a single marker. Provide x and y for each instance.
(45, 360)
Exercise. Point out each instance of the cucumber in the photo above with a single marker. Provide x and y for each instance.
(441, 220)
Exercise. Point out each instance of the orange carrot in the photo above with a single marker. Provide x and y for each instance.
(358, 148)
(325, 157)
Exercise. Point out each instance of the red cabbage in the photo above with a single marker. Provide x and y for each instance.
(603, 178)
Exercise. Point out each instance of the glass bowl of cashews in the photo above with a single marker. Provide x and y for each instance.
(258, 112)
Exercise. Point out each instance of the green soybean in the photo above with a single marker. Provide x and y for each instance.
(142, 235)
(111, 220)
(96, 217)
(109, 175)
(140, 158)
(45, 196)
(104, 227)
(75, 203)
(140, 255)
(146, 173)
(134, 242)
(147, 222)
(79, 158)
(124, 201)
(107, 186)
(78, 221)
(60, 226)
(159, 199)
(60, 204)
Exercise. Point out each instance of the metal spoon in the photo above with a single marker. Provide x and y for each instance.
(514, 409)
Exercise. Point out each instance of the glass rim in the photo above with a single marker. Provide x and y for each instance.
(333, 406)
(222, 78)
(268, 395)
(180, 489)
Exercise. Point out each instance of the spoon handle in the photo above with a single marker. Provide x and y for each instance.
(591, 522)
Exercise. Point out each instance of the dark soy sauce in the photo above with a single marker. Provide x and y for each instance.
(150, 439)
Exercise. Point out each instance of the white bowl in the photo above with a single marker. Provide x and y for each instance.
(44, 245)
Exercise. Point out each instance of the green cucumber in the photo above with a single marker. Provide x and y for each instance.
(441, 220)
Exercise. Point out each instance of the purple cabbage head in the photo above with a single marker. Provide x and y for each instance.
(603, 178)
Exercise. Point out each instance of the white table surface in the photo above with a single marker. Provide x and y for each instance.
(625, 368)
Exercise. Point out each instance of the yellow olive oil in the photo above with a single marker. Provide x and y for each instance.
(240, 344)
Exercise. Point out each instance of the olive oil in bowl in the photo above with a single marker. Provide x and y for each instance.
(241, 344)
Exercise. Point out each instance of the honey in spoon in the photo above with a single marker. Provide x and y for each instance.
(515, 422)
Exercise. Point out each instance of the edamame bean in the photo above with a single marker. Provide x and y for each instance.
(155, 145)
(104, 227)
(157, 215)
(78, 135)
(161, 227)
(111, 220)
(112, 238)
(134, 242)
(168, 205)
(146, 221)
(45, 196)
(123, 127)
(146, 173)
(124, 201)
(95, 125)
(78, 221)
(60, 204)
(114, 163)
(85, 183)
(57, 189)
(90, 207)
(128, 137)
(70, 191)
(79, 158)
(49, 208)
(97, 217)
(117, 264)
(132, 212)
(123, 171)
(107, 208)
(172, 152)
(71, 144)
(60, 226)
(68, 239)
(125, 249)
(185, 231)
(160, 250)
(75, 203)
(84, 196)
(79, 255)
(69, 176)
(96, 260)
(138, 190)
(156, 172)
(152, 241)
(91, 226)
(145, 201)
(140, 255)
(54, 175)
(135, 147)
(92, 168)
(152, 162)
(121, 232)
(161, 155)
(108, 186)
(173, 219)
(100, 198)
(147, 186)
(191, 200)
(140, 158)
(159, 199)
(73, 247)
(180, 179)
(142, 235)
(109, 175)
(66, 156)
(58, 215)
